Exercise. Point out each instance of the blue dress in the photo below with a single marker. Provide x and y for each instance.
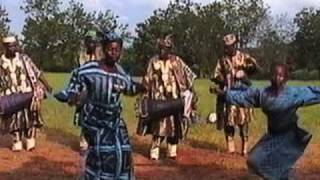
(110, 153)
(277, 151)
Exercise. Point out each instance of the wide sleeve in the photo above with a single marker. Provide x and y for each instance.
(243, 97)
(308, 95)
(76, 83)
(218, 74)
(189, 74)
(251, 65)
(134, 88)
(149, 74)
(148, 79)
(73, 78)
(126, 84)
(33, 67)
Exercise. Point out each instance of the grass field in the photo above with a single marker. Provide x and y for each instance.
(59, 117)
(201, 156)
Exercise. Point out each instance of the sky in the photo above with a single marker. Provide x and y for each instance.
(132, 12)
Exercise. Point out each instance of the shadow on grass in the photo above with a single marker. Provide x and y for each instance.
(39, 168)
(52, 134)
(5, 141)
(203, 145)
(141, 145)
(190, 172)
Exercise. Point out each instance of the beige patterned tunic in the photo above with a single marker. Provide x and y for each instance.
(14, 78)
(167, 79)
(227, 66)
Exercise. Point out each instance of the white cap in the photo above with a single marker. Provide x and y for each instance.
(9, 39)
(229, 39)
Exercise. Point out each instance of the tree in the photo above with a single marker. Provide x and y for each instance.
(242, 17)
(307, 38)
(4, 27)
(273, 40)
(198, 30)
(52, 35)
(195, 29)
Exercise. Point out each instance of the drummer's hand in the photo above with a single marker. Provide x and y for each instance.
(240, 74)
(49, 89)
(219, 91)
(212, 89)
(216, 90)
(140, 87)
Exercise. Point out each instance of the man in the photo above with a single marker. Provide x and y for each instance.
(20, 75)
(90, 52)
(168, 77)
(232, 71)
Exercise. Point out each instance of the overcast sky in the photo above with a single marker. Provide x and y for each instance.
(134, 11)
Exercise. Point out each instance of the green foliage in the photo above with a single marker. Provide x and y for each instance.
(307, 39)
(52, 35)
(273, 41)
(243, 17)
(4, 27)
(304, 74)
(198, 30)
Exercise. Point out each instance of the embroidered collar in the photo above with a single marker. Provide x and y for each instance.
(11, 64)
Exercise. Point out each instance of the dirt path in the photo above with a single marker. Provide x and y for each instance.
(57, 158)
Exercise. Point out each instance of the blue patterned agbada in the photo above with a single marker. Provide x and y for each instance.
(277, 151)
(109, 155)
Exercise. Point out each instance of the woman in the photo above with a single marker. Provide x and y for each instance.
(109, 154)
(277, 151)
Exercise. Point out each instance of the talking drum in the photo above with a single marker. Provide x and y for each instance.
(11, 104)
(148, 110)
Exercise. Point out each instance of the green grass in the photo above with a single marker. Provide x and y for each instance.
(59, 117)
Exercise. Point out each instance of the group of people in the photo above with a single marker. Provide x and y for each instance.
(96, 85)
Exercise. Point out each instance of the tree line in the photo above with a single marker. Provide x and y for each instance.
(52, 34)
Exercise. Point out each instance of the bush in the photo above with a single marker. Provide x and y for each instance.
(304, 74)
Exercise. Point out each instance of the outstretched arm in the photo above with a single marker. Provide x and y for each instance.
(63, 95)
(243, 98)
(127, 85)
(134, 88)
(39, 74)
(308, 95)
(75, 87)
(252, 66)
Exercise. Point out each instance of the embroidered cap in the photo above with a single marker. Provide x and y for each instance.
(166, 42)
(9, 39)
(229, 39)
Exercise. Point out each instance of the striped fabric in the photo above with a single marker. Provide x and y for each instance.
(109, 155)
(16, 78)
